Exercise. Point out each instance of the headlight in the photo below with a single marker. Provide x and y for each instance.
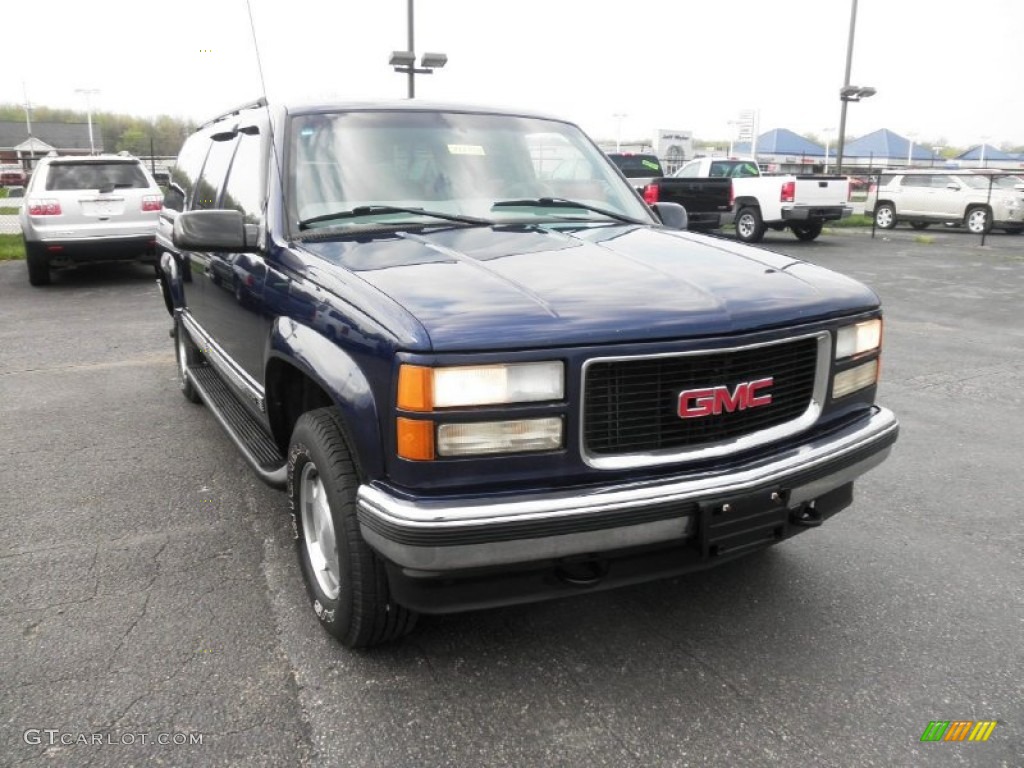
(853, 340)
(423, 389)
(854, 379)
(481, 438)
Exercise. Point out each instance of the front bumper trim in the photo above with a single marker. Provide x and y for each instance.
(441, 535)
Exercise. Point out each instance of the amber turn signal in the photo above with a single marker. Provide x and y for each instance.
(415, 439)
(415, 388)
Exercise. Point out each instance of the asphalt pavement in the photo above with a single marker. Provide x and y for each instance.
(149, 589)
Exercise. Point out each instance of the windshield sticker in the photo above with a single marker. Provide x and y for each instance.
(466, 149)
(649, 164)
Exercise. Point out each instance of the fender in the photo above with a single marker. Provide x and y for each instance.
(170, 283)
(340, 376)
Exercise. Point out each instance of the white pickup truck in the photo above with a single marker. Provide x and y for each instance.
(801, 202)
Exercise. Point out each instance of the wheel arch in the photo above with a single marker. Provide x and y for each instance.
(294, 386)
(746, 202)
(171, 278)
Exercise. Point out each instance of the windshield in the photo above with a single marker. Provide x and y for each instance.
(733, 169)
(637, 166)
(451, 163)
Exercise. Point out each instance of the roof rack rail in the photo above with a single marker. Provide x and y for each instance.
(260, 102)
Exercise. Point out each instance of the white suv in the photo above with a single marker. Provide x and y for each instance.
(929, 197)
(88, 209)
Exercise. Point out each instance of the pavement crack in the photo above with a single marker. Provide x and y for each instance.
(131, 627)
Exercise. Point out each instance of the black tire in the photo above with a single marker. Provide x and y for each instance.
(920, 224)
(346, 582)
(186, 353)
(978, 220)
(749, 225)
(807, 232)
(38, 265)
(885, 216)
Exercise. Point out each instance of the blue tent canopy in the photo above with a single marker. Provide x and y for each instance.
(781, 142)
(885, 143)
(991, 153)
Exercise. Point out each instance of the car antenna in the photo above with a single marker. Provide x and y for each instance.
(263, 87)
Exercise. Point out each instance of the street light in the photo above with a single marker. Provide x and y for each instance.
(405, 61)
(88, 111)
(828, 134)
(847, 94)
(910, 150)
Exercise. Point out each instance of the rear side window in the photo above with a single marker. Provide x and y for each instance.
(243, 191)
(113, 175)
(917, 181)
(186, 169)
(213, 174)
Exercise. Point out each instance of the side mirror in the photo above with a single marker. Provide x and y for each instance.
(672, 215)
(216, 230)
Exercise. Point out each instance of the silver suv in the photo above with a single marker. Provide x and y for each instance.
(930, 197)
(88, 209)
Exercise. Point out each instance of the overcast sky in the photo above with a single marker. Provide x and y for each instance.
(942, 71)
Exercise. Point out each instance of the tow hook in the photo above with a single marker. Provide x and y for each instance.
(582, 572)
(806, 516)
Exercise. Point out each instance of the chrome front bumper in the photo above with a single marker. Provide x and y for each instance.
(455, 534)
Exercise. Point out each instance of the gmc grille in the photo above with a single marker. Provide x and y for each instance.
(631, 406)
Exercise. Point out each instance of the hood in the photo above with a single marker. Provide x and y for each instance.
(516, 287)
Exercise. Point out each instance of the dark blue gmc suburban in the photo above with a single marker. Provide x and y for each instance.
(485, 379)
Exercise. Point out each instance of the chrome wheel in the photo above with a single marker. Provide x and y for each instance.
(885, 217)
(977, 221)
(745, 226)
(318, 531)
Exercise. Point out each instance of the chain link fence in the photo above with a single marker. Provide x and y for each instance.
(9, 212)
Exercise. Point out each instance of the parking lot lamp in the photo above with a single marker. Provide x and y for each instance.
(405, 61)
(849, 92)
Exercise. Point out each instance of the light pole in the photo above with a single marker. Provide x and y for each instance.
(619, 117)
(828, 134)
(88, 111)
(849, 92)
(910, 149)
(405, 61)
(984, 141)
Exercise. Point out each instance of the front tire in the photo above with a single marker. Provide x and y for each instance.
(346, 582)
(749, 225)
(885, 216)
(807, 232)
(38, 265)
(978, 221)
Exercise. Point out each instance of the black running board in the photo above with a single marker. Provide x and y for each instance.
(252, 439)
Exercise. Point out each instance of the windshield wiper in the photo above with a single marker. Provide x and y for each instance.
(370, 210)
(562, 202)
